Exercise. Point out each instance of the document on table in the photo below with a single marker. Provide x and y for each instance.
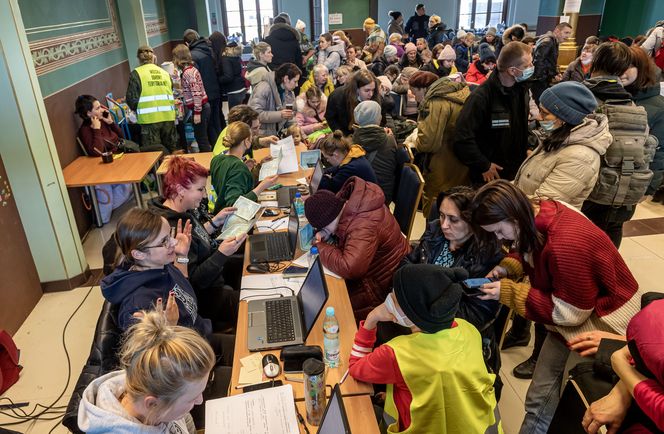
(246, 208)
(303, 261)
(266, 411)
(285, 148)
(259, 286)
(270, 168)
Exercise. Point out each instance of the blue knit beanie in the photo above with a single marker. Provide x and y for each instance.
(569, 101)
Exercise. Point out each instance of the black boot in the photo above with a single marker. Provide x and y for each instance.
(519, 334)
(526, 369)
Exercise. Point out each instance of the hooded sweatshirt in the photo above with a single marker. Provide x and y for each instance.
(381, 153)
(256, 71)
(332, 57)
(355, 164)
(567, 174)
(133, 291)
(205, 61)
(100, 411)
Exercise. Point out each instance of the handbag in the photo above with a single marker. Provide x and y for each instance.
(9, 367)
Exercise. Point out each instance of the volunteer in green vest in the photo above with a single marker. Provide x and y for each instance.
(150, 95)
(436, 378)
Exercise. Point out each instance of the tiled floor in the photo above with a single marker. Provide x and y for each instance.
(45, 365)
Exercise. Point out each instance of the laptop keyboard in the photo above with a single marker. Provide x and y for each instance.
(277, 247)
(279, 319)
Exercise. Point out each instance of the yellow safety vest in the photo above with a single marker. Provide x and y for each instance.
(445, 372)
(156, 101)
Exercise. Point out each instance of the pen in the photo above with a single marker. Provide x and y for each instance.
(242, 386)
(276, 218)
(343, 378)
(295, 379)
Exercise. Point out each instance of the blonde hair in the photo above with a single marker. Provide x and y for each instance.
(236, 133)
(434, 19)
(182, 56)
(343, 37)
(161, 360)
(259, 49)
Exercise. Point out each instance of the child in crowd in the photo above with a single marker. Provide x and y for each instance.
(421, 45)
(344, 160)
(311, 106)
(195, 98)
(436, 377)
(298, 137)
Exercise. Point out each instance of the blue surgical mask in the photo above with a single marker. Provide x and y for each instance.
(548, 126)
(527, 73)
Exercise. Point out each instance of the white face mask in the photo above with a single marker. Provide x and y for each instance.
(402, 320)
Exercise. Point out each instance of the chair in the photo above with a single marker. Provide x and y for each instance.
(409, 193)
(80, 145)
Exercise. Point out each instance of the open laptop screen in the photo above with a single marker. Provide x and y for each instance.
(312, 296)
(315, 178)
(334, 420)
(293, 227)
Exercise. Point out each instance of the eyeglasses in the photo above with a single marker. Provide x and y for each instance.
(165, 242)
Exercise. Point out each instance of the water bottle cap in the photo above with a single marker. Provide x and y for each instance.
(329, 311)
(314, 250)
(298, 194)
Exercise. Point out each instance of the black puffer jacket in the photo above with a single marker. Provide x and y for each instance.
(545, 58)
(285, 43)
(205, 62)
(381, 153)
(230, 77)
(439, 34)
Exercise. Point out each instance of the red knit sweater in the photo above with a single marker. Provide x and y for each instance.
(193, 90)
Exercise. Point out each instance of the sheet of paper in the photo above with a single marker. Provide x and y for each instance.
(266, 411)
(235, 226)
(302, 181)
(308, 159)
(252, 361)
(270, 203)
(302, 261)
(246, 208)
(270, 226)
(250, 375)
(288, 163)
(271, 168)
(259, 286)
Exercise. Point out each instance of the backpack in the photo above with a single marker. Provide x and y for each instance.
(9, 367)
(624, 173)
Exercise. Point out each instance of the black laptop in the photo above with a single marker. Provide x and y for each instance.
(285, 196)
(275, 246)
(334, 419)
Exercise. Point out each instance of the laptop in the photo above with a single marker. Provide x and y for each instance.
(285, 196)
(316, 178)
(278, 322)
(275, 246)
(334, 419)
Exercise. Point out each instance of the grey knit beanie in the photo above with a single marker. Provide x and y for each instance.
(367, 113)
(569, 101)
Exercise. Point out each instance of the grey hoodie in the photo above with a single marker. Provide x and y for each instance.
(267, 101)
(100, 411)
(332, 56)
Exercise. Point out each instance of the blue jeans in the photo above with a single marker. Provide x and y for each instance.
(544, 391)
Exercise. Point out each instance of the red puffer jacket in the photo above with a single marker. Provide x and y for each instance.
(369, 248)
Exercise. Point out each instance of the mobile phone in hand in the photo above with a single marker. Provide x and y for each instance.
(471, 286)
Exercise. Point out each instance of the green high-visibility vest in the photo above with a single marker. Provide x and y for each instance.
(156, 101)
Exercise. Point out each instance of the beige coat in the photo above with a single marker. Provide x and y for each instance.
(569, 173)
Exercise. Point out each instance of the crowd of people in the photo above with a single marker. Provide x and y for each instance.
(530, 173)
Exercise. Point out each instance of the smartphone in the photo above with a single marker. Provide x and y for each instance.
(471, 286)
(105, 114)
(264, 385)
(295, 271)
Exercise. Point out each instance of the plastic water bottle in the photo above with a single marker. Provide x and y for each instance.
(331, 338)
(299, 205)
(311, 257)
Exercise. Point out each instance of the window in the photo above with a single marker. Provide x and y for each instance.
(478, 14)
(248, 17)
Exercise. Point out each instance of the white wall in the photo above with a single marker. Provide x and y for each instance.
(446, 9)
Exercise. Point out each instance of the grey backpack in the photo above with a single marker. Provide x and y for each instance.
(624, 173)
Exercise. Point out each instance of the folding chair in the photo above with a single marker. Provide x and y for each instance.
(409, 193)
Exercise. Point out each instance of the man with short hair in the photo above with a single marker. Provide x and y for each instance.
(492, 128)
(546, 59)
(418, 25)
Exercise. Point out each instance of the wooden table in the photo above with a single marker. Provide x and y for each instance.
(202, 158)
(128, 169)
(360, 413)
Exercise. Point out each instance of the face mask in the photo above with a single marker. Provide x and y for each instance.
(527, 73)
(402, 320)
(548, 125)
(587, 60)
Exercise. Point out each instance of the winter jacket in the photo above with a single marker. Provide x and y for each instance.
(327, 89)
(231, 79)
(381, 153)
(204, 61)
(405, 62)
(101, 412)
(653, 102)
(545, 58)
(507, 34)
(255, 72)
(355, 164)
(464, 55)
(574, 72)
(285, 43)
(206, 262)
(567, 174)
(378, 65)
(438, 34)
(337, 115)
(395, 27)
(134, 291)
(476, 73)
(332, 57)
(495, 46)
(369, 246)
(493, 128)
(399, 48)
(437, 124)
(436, 66)
(267, 101)
(417, 27)
(307, 117)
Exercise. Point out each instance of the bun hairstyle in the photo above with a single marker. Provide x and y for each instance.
(161, 360)
(145, 54)
(336, 142)
(181, 171)
(134, 231)
(236, 133)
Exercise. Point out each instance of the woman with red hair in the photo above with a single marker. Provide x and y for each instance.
(184, 190)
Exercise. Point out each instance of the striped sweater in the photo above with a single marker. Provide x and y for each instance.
(193, 90)
(578, 281)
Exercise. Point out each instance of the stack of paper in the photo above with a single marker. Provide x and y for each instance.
(259, 286)
(285, 149)
(251, 371)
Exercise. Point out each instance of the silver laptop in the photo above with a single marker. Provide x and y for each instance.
(334, 419)
(275, 246)
(278, 322)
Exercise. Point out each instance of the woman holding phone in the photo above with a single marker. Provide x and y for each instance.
(273, 98)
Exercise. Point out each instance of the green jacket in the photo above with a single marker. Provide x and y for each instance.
(231, 179)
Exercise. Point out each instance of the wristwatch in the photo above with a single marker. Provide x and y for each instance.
(182, 260)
